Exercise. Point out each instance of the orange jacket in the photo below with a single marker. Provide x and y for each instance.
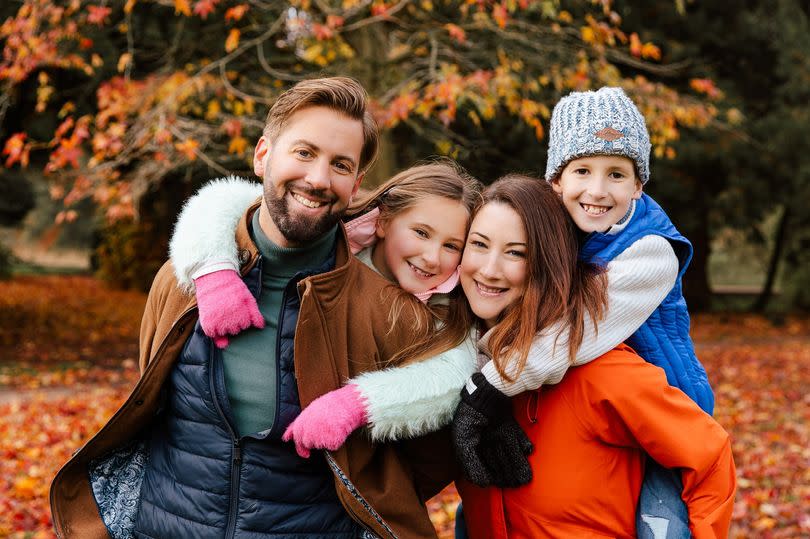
(590, 434)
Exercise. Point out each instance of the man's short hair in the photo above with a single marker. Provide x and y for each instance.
(342, 94)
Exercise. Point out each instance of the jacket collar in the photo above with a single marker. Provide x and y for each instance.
(249, 253)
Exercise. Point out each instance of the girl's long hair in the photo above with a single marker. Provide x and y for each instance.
(440, 327)
(441, 177)
(560, 288)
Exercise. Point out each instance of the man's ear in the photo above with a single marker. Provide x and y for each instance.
(639, 189)
(260, 155)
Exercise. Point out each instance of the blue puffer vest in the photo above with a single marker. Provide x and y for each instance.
(203, 481)
(663, 339)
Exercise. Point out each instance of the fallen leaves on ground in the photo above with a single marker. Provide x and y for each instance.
(759, 372)
(36, 437)
(58, 320)
(762, 400)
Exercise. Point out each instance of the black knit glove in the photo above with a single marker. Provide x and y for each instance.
(490, 445)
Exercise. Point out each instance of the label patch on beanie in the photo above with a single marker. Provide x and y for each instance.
(608, 134)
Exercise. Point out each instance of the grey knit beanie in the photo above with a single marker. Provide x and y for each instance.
(604, 122)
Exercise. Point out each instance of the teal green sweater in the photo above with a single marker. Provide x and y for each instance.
(250, 362)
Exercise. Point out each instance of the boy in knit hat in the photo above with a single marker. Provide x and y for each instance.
(598, 162)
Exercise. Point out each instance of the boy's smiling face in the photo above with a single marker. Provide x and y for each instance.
(597, 191)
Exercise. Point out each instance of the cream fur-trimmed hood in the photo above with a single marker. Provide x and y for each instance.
(203, 239)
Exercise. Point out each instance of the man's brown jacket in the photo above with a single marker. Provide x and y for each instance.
(344, 329)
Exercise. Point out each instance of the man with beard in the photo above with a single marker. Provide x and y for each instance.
(196, 450)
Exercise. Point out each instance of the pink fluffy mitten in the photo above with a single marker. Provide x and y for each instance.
(226, 305)
(328, 420)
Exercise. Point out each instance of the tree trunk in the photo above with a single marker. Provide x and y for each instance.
(766, 294)
(369, 68)
(696, 287)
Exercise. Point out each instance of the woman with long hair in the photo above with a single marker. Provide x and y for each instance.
(587, 438)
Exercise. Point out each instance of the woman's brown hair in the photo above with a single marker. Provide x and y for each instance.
(560, 289)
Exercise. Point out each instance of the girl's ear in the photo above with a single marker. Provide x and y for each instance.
(555, 184)
(379, 227)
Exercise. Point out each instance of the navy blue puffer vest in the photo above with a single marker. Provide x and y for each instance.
(203, 481)
(663, 339)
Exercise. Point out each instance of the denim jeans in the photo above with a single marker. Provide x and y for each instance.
(662, 513)
(461, 526)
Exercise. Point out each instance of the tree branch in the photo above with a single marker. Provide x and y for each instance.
(376, 18)
(223, 76)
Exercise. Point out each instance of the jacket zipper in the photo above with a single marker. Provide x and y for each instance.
(344, 480)
(279, 328)
(236, 464)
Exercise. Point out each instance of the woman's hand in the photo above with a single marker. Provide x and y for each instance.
(490, 445)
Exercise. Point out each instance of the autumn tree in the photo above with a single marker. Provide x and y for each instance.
(118, 99)
(751, 163)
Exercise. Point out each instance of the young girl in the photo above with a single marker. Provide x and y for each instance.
(521, 275)
(411, 230)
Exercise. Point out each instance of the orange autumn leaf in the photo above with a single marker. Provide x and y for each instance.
(17, 150)
(188, 148)
(500, 15)
(334, 21)
(322, 32)
(233, 40)
(63, 128)
(182, 7)
(24, 487)
(232, 127)
(705, 86)
(124, 62)
(98, 14)
(238, 145)
(635, 45)
(203, 8)
(379, 9)
(236, 13)
(163, 136)
(650, 51)
(456, 32)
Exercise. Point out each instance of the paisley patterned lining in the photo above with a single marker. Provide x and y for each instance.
(116, 481)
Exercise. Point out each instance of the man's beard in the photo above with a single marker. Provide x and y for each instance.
(299, 228)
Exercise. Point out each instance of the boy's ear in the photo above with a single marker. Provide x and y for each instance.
(639, 189)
